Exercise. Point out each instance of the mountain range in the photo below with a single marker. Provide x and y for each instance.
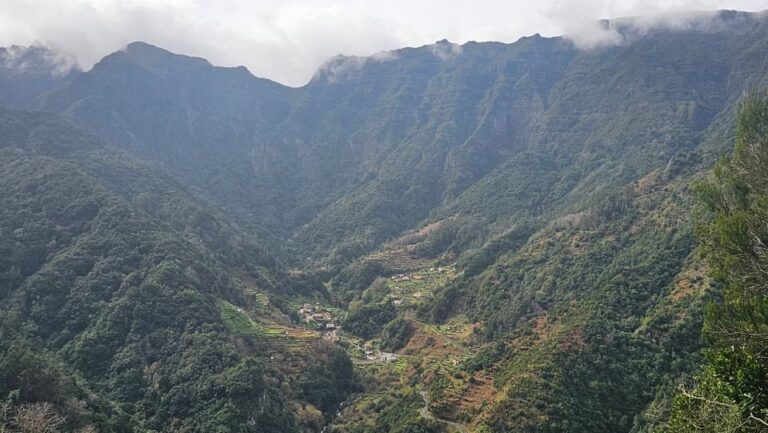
(512, 221)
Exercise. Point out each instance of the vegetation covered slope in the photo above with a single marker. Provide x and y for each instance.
(731, 393)
(372, 146)
(114, 316)
(593, 313)
(584, 267)
(512, 219)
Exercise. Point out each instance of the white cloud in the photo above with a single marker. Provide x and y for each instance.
(286, 40)
(341, 67)
(445, 50)
(37, 59)
(576, 19)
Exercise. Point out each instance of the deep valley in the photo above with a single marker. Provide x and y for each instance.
(487, 237)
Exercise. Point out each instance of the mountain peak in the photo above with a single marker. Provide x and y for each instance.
(156, 59)
(137, 46)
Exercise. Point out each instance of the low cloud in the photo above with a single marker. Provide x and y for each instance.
(629, 19)
(595, 34)
(339, 68)
(287, 40)
(445, 50)
(37, 59)
(620, 31)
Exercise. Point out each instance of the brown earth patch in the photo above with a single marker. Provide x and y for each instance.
(691, 282)
(541, 326)
(480, 391)
(429, 228)
(431, 345)
(645, 183)
(573, 340)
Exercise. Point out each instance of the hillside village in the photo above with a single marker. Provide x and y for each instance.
(317, 316)
(320, 319)
(324, 321)
(405, 290)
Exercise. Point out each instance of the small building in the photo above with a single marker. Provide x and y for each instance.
(388, 357)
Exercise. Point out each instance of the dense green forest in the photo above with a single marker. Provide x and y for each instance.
(523, 237)
(731, 393)
(110, 299)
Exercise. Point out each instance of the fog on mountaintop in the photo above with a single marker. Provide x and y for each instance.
(287, 41)
(37, 59)
(592, 34)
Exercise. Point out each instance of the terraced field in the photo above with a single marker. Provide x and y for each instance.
(286, 344)
(413, 288)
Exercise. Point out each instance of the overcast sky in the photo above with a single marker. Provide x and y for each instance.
(286, 40)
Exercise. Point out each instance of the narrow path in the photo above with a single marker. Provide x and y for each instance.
(425, 413)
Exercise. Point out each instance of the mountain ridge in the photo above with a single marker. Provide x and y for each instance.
(513, 220)
(293, 150)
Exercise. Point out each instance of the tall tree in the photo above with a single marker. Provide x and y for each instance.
(731, 393)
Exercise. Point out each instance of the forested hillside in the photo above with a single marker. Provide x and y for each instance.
(116, 299)
(373, 146)
(730, 393)
(483, 237)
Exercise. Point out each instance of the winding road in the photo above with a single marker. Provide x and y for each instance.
(425, 413)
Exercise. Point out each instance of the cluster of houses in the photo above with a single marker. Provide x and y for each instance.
(325, 322)
(315, 315)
